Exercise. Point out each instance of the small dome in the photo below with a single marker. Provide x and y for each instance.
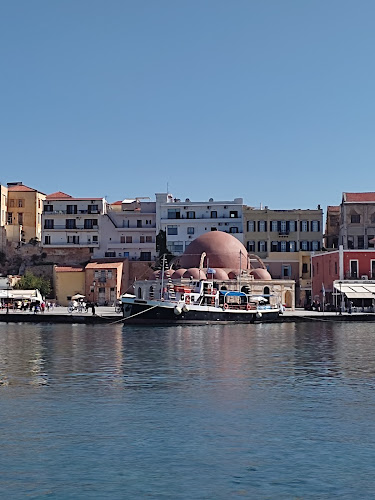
(232, 275)
(261, 274)
(220, 274)
(194, 272)
(178, 274)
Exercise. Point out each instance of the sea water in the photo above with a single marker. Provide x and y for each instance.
(268, 411)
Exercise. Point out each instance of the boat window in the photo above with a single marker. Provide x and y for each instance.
(139, 292)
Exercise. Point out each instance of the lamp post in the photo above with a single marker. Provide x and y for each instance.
(8, 285)
(340, 311)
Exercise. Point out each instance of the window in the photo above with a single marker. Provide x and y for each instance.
(148, 239)
(190, 230)
(174, 213)
(20, 203)
(90, 223)
(304, 226)
(109, 274)
(292, 246)
(304, 245)
(172, 230)
(251, 226)
(122, 239)
(274, 226)
(47, 240)
(283, 226)
(139, 223)
(71, 209)
(354, 268)
(286, 271)
(315, 246)
(176, 246)
(11, 203)
(283, 246)
(93, 209)
(20, 218)
(49, 224)
(73, 239)
(141, 239)
(145, 256)
(274, 246)
(251, 246)
(355, 218)
(95, 239)
(109, 254)
(213, 214)
(262, 246)
(304, 268)
(262, 226)
(70, 224)
(315, 225)
(233, 214)
(361, 242)
(232, 229)
(190, 215)
(48, 208)
(10, 218)
(213, 228)
(129, 239)
(350, 242)
(292, 226)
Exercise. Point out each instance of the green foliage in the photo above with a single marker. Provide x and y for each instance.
(29, 282)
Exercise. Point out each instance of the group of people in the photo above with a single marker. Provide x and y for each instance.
(28, 305)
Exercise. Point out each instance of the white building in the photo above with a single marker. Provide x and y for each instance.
(72, 222)
(128, 230)
(183, 221)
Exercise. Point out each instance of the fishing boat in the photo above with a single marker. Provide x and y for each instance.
(194, 301)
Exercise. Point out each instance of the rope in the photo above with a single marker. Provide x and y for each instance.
(132, 316)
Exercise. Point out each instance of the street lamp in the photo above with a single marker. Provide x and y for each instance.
(8, 286)
(340, 311)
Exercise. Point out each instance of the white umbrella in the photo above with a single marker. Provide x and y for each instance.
(78, 296)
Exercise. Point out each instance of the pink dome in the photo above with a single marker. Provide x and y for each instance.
(232, 275)
(178, 274)
(261, 274)
(194, 272)
(222, 250)
(220, 274)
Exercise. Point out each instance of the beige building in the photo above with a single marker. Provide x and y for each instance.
(103, 282)
(24, 216)
(68, 281)
(3, 215)
(331, 235)
(284, 240)
(357, 221)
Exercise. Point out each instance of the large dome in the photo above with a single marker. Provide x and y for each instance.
(222, 251)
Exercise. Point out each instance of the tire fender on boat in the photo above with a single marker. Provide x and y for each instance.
(248, 307)
(259, 314)
(225, 306)
(177, 310)
(185, 308)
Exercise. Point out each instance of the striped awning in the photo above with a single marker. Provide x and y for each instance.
(356, 290)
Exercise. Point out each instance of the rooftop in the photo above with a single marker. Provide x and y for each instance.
(358, 197)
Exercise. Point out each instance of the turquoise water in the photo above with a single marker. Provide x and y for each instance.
(278, 411)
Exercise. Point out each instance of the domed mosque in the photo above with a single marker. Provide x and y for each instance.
(220, 256)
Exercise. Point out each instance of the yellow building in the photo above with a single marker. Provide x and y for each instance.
(24, 218)
(3, 215)
(68, 281)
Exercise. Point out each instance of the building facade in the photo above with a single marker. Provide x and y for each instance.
(285, 240)
(103, 282)
(183, 221)
(24, 213)
(128, 231)
(72, 222)
(332, 231)
(3, 215)
(357, 221)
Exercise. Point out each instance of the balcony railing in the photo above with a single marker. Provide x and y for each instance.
(60, 227)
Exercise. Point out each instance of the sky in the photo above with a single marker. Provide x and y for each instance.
(268, 100)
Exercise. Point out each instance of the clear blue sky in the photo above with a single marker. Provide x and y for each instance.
(269, 100)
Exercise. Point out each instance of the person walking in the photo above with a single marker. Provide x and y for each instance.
(93, 309)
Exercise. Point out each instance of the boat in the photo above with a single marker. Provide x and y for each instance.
(190, 301)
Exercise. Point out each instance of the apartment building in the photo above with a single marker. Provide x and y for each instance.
(128, 231)
(70, 222)
(357, 221)
(24, 213)
(284, 240)
(183, 221)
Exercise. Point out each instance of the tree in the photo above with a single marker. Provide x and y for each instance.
(31, 282)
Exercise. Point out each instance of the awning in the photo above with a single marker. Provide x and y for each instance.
(356, 290)
(228, 293)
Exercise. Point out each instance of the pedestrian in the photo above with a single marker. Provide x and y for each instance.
(93, 309)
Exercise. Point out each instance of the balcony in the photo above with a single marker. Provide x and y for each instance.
(62, 227)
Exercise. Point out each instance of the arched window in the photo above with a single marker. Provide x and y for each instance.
(266, 292)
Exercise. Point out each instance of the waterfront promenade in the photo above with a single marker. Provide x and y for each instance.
(109, 315)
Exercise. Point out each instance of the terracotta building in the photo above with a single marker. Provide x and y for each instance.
(103, 282)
